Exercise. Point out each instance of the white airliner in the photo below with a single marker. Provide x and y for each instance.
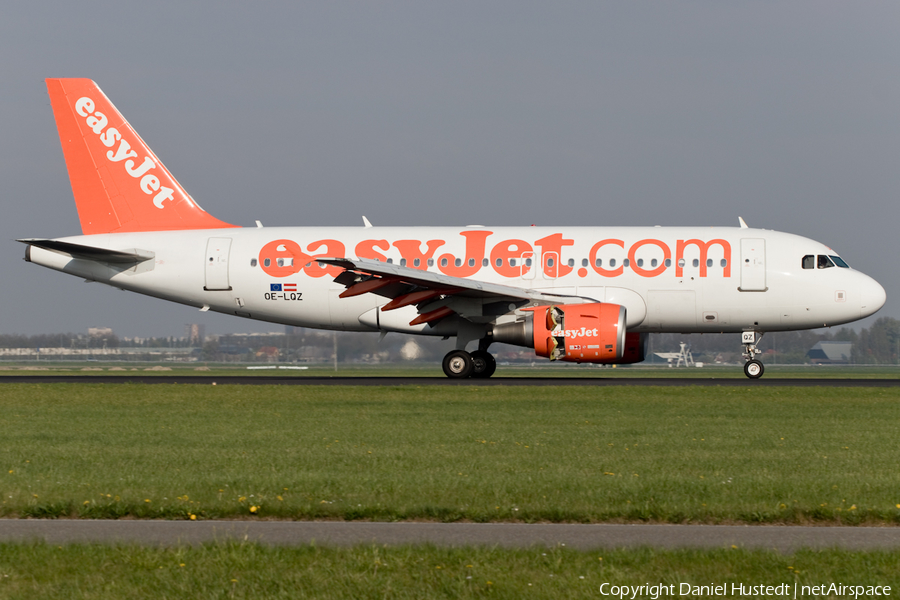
(576, 294)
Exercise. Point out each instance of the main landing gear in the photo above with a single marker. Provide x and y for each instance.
(459, 364)
(753, 368)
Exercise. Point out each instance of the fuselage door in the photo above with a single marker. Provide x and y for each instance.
(217, 251)
(753, 265)
(550, 265)
(527, 266)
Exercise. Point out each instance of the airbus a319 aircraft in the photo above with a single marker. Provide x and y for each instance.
(575, 294)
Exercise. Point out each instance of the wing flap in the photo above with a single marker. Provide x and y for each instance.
(434, 281)
(435, 295)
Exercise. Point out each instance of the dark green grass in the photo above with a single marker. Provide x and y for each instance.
(541, 368)
(253, 571)
(712, 455)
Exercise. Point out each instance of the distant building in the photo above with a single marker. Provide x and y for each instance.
(830, 353)
(270, 353)
(100, 332)
(195, 334)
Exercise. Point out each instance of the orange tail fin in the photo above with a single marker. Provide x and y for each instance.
(118, 183)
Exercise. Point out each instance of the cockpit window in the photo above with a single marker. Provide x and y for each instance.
(824, 262)
(839, 262)
(809, 261)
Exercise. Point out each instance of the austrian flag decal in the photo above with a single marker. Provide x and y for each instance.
(282, 287)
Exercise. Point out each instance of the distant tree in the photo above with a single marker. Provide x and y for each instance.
(879, 343)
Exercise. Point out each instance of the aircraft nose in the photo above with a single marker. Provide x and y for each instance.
(873, 297)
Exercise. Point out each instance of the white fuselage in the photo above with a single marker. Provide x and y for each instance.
(669, 279)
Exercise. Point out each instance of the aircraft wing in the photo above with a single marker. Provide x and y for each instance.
(435, 295)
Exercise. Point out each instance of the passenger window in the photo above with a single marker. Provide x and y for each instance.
(723, 263)
(280, 262)
(668, 262)
(584, 262)
(499, 262)
(471, 262)
(571, 262)
(549, 262)
(612, 262)
(252, 262)
(512, 262)
(527, 262)
(416, 262)
(443, 262)
(598, 262)
(626, 262)
(430, 262)
(640, 262)
(809, 261)
(681, 262)
(708, 262)
(390, 261)
(654, 262)
(267, 262)
(457, 262)
(824, 262)
(402, 262)
(485, 262)
(839, 262)
(696, 262)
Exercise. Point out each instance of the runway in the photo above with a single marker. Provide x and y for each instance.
(509, 535)
(444, 381)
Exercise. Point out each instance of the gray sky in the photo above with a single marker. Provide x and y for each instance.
(423, 113)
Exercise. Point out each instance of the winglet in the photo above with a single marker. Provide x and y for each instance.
(118, 182)
(366, 223)
(743, 225)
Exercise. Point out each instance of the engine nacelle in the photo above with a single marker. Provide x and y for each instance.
(593, 333)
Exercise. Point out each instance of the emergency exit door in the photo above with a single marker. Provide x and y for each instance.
(217, 250)
(753, 265)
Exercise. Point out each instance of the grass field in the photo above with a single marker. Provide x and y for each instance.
(252, 571)
(538, 369)
(710, 455)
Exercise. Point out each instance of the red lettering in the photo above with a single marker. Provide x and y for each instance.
(592, 256)
(333, 249)
(649, 272)
(506, 250)
(704, 250)
(287, 252)
(554, 243)
(366, 249)
(475, 242)
(412, 249)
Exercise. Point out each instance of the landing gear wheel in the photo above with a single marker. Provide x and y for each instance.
(484, 364)
(754, 369)
(458, 364)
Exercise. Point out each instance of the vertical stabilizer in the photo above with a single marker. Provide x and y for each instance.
(118, 182)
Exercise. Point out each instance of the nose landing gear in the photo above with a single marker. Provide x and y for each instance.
(753, 368)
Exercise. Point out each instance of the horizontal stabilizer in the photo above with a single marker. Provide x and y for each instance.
(130, 256)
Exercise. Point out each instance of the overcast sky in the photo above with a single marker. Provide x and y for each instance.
(425, 113)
